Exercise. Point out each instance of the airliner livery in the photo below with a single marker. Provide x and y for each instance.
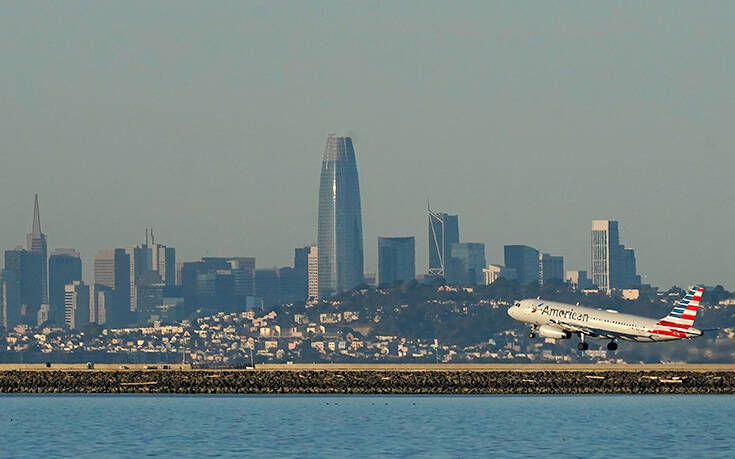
(550, 319)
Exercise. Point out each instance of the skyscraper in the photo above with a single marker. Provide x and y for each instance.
(64, 267)
(613, 266)
(524, 260)
(443, 232)
(605, 240)
(27, 267)
(36, 243)
(550, 268)
(112, 270)
(301, 272)
(76, 304)
(396, 259)
(10, 305)
(313, 276)
(339, 237)
(466, 263)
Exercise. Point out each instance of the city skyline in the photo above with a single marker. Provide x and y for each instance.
(526, 128)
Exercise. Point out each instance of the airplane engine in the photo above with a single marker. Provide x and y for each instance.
(549, 331)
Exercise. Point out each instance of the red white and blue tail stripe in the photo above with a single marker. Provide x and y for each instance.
(681, 318)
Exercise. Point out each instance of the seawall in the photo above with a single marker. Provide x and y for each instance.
(362, 381)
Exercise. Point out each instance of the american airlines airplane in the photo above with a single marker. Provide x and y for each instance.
(560, 320)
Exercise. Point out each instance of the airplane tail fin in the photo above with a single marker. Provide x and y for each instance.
(684, 312)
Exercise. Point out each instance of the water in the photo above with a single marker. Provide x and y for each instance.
(366, 426)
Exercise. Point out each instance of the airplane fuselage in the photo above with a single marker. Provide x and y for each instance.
(595, 323)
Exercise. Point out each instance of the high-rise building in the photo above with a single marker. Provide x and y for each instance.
(396, 260)
(36, 243)
(443, 232)
(495, 272)
(10, 299)
(340, 219)
(301, 271)
(76, 303)
(551, 268)
(102, 300)
(613, 266)
(150, 288)
(112, 270)
(524, 260)
(268, 286)
(466, 263)
(28, 270)
(313, 280)
(578, 280)
(64, 267)
(605, 241)
(217, 283)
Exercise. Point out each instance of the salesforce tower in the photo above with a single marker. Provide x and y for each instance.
(339, 237)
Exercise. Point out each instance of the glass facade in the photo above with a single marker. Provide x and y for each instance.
(339, 237)
(443, 232)
(396, 260)
(524, 260)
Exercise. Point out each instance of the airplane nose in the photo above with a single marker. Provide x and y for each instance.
(512, 311)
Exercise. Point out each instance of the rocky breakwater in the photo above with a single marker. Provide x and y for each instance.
(368, 382)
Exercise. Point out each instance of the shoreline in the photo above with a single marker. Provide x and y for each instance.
(372, 381)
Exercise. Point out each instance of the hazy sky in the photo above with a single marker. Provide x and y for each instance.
(207, 121)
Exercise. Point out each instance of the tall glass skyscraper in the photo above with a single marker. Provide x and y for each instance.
(339, 238)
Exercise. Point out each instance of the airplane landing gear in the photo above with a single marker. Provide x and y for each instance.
(612, 346)
(582, 346)
(532, 333)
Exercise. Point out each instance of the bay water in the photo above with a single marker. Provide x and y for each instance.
(366, 426)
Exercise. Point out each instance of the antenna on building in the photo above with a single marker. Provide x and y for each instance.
(146, 236)
(153, 238)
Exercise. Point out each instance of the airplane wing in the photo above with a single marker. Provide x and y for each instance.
(593, 332)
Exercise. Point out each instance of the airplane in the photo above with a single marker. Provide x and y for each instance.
(551, 319)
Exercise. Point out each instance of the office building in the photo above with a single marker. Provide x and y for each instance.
(313, 274)
(301, 271)
(396, 260)
(102, 299)
(36, 243)
(44, 314)
(524, 260)
(551, 268)
(494, 272)
(268, 286)
(466, 264)
(64, 267)
(28, 270)
(217, 283)
(150, 288)
(76, 302)
(11, 313)
(443, 233)
(578, 280)
(613, 266)
(112, 270)
(339, 236)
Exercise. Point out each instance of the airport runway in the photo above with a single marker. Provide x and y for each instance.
(479, 367)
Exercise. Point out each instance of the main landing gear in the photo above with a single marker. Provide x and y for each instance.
(612, 346)
(582, 346)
